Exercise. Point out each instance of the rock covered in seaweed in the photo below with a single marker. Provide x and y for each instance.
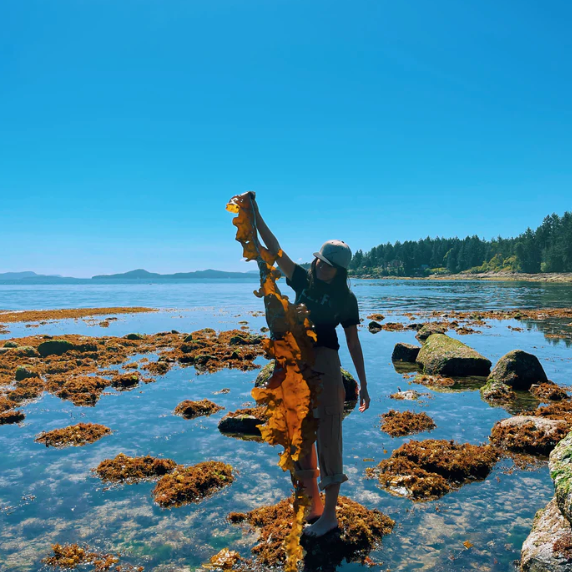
(548, 547)
(518, 370)
(560, 465)
(400, 423)
(360, 530)
(191, 409)
(405, 352)
(429, 329)
(426, 470)
(70, 556)
(442, 355)
(125, 469)
(74, 435)
(528, 434)
(192, 484)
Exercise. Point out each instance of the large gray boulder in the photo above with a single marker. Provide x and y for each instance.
(560, 465)
(445, 356)
(405, 352)
(350, 384)
(518, 370)
(547, 547)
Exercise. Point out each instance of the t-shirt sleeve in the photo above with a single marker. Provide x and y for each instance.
(299, 279)
(350, 314)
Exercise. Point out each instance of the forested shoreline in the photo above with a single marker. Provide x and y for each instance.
(548, 249)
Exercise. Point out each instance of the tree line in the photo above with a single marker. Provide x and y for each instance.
(546, 249)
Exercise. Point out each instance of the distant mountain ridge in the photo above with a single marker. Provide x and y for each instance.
(29, 277)
(144, 275)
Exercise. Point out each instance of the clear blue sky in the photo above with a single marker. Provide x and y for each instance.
(126, 125)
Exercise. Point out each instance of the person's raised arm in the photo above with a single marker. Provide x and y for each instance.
(284, 262)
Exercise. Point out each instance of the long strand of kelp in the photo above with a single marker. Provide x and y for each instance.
(293, 386)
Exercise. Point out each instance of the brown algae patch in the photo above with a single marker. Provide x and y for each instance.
(360, 531)
(191, 409)
(528, 434)
(124, 469)
(70, 556)
(73, 367)
(83, 390)
(425, 470)
(210, 352)
(549, 392)
(73, 436)
(224, 560)
(433, 380)
(43, 315)
(192, 484)
(400, 423)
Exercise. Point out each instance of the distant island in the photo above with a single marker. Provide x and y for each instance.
(29, 277)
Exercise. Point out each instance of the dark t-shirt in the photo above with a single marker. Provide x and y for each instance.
(325, 312)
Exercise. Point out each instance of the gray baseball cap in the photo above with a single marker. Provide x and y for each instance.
(335, 253)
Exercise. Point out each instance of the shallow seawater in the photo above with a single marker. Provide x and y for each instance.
(69, 504)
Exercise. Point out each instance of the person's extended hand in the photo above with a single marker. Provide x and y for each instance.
(251, 203)
(363, 399)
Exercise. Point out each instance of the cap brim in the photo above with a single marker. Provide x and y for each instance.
(322, 258)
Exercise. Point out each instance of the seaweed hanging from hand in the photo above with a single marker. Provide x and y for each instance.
(291, 392)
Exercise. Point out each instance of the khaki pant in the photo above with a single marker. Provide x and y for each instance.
(329, 412)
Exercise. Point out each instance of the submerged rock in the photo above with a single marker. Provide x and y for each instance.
(359, 532)
(244, 421)
(560, 465)
(10, 417)
(134, 336)
(518, 370)
(442, 355)
(548, 547)
(55, 347)
(528, 434)
(24, 372)
(405, 352)
(374, 327)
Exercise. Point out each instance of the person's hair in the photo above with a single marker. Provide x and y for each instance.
(340, 285)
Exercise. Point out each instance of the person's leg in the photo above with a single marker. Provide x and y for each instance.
(307, 474)
(329, 443)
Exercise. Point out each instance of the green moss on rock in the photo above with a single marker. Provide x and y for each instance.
(442, 355)
(560, 465)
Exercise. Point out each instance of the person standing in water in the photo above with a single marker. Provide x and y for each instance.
(324, 291)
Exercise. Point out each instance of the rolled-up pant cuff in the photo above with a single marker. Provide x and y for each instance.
(306, 474)
(325, 482)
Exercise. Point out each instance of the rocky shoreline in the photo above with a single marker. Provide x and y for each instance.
(491, 276)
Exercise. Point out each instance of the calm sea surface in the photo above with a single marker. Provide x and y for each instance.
(49, 495)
